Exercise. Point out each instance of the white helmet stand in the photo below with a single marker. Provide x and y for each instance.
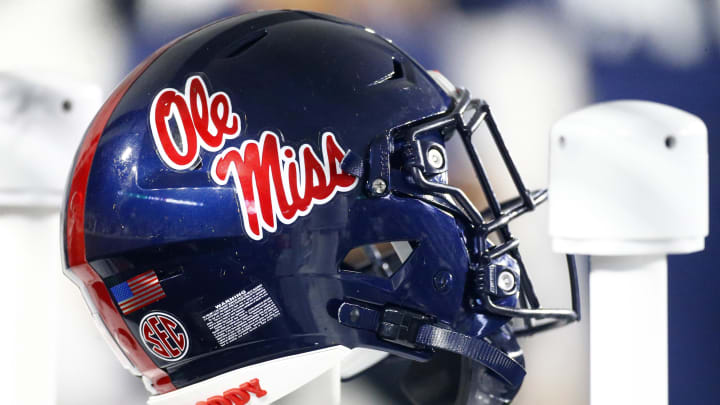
(42, 119)
(628, 186)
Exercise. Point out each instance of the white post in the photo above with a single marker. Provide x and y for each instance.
(42, 119)
(628, 338)
(628, 185)
(325, 389)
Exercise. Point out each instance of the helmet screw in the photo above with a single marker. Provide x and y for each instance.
(435, 158)
(442, 281)
(506, 281)
(379, 186)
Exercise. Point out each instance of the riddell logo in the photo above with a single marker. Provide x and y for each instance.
(273, 182)
(236, 396)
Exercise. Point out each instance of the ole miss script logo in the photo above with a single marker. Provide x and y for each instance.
(273, 182)
(164, 336)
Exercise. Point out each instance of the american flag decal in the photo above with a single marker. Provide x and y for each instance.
(138, 292)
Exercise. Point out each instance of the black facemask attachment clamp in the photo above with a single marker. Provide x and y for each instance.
(422, 162)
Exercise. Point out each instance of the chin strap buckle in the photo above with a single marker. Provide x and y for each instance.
(402, 327)
(396, 325)
(418, 331)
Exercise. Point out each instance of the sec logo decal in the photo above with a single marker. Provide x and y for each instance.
(164, 336)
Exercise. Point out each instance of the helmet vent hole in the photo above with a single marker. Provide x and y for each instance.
(243, 44)
(382, 259)
(397, 70)
(397, 73)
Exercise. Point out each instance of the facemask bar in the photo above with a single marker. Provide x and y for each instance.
(529, 307)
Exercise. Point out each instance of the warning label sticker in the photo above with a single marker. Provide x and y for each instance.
(241, 314)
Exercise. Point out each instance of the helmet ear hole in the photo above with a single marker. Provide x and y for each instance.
(382, 259)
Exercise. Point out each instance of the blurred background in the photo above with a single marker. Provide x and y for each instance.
(533, 61)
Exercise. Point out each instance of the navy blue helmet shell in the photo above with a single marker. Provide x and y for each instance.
(242, 166)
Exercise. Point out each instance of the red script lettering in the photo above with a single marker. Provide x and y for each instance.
(275, 183)
(201, 121)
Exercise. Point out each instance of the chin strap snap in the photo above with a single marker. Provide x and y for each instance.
(417, 331)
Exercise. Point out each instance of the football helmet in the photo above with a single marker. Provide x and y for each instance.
(276, 184)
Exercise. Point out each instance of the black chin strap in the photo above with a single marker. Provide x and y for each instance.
(417, 331)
